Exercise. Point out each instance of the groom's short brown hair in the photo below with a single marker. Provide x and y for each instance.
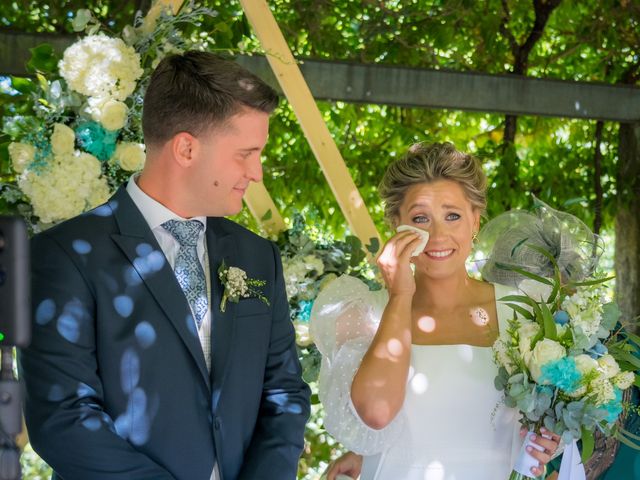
(196, 91)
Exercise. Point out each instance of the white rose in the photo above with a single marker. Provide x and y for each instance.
(544, 352)
(526, 332)
(111, 113)
(22, 154)
(130, 156)
(608, 366)
(585, 364)
(624, 380)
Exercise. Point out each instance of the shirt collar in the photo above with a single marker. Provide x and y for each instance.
(153, 211)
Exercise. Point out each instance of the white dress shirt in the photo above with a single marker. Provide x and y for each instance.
(156, 214)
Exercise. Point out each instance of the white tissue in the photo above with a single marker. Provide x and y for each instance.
(423, 233)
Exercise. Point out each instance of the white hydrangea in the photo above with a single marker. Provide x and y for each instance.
(21, 154)
(130, 156)
(62, 139)
(68, 186)
(585, 311)
(624, 380)
(112, 114)
(101, 66)
(608, 366)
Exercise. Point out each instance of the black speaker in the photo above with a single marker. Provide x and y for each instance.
(15, 301)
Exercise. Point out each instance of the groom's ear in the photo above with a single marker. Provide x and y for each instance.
(183, 146)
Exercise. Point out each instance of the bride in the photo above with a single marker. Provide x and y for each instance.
(407, 378)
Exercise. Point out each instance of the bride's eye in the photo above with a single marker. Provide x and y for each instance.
(453, 216)
(420, 219)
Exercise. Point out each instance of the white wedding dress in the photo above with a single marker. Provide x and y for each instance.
(452, 425)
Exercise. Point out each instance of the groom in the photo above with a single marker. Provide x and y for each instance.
(135, 372)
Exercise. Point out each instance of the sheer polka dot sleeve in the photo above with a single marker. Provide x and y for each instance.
(344, 319)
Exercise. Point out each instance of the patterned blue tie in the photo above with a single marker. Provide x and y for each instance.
(188, 269)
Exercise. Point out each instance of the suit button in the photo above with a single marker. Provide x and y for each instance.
(216, 424)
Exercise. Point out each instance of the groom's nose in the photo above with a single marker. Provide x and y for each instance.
(254, 169)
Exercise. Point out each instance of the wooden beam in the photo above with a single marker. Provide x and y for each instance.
(467, 91)
(263, 209)
(411, 87)
(315, 129)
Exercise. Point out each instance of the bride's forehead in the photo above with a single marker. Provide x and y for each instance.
(438, 192)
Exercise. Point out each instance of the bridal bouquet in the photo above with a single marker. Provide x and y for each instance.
(565, 361)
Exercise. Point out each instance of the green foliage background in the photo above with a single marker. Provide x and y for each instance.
(584, 40)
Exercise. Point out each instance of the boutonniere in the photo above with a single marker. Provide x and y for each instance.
(237, 285)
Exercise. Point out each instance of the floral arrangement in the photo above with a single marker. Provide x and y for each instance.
(565, 360)
(78, 135)
(237, 285)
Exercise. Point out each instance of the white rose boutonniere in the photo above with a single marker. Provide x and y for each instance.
(237, 285)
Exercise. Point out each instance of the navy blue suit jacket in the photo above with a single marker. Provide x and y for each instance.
(116, 381)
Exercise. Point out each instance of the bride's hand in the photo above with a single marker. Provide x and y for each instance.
(394, 263)
(348, 464)
(549, 447)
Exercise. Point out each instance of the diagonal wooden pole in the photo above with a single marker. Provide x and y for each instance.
(257, 197)
(299, 96)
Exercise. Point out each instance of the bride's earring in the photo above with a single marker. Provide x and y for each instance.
(474, 239)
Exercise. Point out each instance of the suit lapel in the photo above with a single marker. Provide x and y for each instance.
(220, 246)
(159, 280)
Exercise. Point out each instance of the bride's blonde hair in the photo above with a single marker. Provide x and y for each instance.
(428, 162)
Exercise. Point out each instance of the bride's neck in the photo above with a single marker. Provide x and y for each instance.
(442, 293)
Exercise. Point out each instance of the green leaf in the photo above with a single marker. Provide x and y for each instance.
(267, 216)
(524, 273)
(43, 59)
(537, 313)
(550, 330)
(521, 310)
(627, 357)
(620, 436)
(373, 246)
(588, 444)
(591, 282)
(83, 16)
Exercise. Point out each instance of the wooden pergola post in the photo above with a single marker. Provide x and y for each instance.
(315, 129)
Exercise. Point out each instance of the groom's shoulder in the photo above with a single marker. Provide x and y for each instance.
(90, 225)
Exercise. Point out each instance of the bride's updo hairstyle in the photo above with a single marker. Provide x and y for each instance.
(426, 163)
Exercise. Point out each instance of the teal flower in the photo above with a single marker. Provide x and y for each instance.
(305, 307)
(93, 138)
(561, 373)
(613, 407)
